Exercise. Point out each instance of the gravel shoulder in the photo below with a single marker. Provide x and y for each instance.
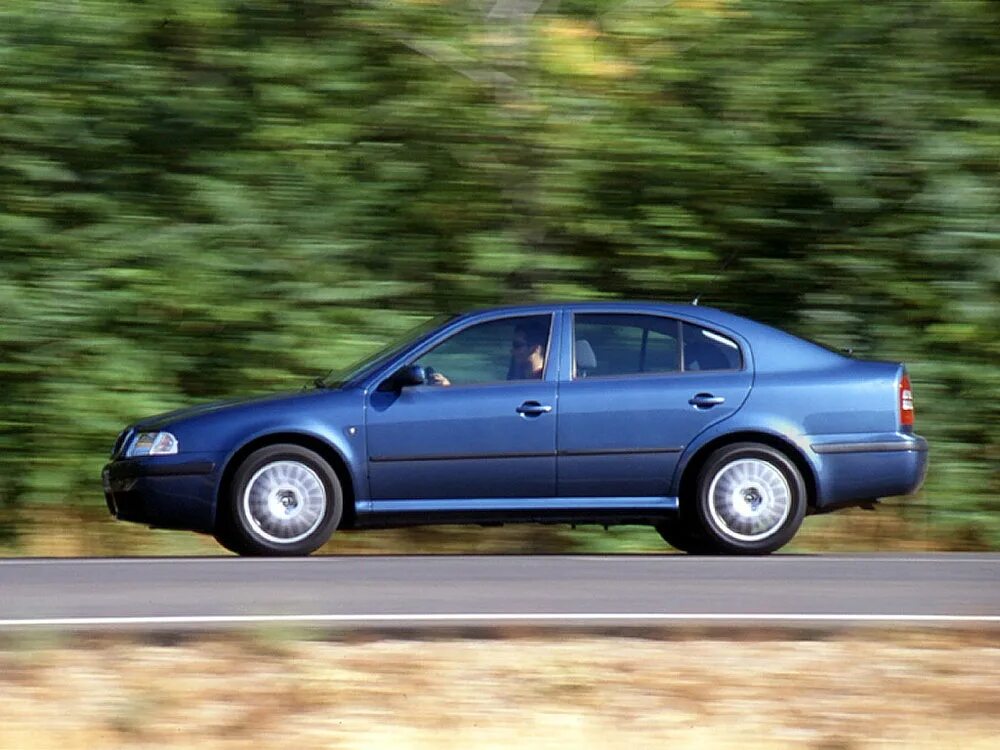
(859, 689)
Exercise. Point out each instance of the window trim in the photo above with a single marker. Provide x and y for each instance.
(681, 322)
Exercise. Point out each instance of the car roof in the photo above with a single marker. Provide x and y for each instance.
(636, 306)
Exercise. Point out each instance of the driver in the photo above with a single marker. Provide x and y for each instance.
(527, 355)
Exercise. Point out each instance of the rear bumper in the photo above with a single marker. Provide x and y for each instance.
(174, 492)
(859, 470)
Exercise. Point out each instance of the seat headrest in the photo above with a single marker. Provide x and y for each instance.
(585, 359)
(701, 355)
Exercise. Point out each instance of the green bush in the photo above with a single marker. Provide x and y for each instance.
(200, 198)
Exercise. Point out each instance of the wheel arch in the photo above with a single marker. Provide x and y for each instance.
(689, 472)
(325, 450)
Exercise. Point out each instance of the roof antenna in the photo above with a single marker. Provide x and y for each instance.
(722, 270)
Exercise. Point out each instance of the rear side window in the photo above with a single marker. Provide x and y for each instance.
(708, 350)
(611, 344)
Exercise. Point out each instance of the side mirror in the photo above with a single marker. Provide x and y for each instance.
(405, 376)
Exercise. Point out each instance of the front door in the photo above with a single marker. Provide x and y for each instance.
(484, 426)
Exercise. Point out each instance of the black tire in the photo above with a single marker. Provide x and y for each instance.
(683, 531)
(277, 480)
(680, 537)
(759, 499)
(226, 535)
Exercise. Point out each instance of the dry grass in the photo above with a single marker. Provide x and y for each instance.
(872, 689)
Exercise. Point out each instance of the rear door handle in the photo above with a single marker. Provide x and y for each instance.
(706, 400)
(533, 409)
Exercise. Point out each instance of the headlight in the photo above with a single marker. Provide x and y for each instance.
(152, 444)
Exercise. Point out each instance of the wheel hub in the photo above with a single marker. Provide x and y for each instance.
(284, 502)
(753, 499)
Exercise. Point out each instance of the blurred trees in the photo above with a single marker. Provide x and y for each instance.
(201, 198)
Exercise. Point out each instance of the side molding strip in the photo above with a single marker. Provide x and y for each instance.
(456, 457)
(620, 451)
(519, 504)
(882, 447)
(486, 456)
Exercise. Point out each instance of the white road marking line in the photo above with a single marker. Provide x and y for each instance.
(499, 618)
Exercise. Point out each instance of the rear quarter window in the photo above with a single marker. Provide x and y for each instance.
(706, 350)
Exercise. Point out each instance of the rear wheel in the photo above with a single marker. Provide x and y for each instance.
(285, 500)
(751, 499)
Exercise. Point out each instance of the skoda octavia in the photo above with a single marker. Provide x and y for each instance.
(720, 432)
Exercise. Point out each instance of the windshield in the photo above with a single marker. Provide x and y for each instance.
(340, 376)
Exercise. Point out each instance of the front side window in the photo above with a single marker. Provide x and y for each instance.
(612, 344)
(491, 352)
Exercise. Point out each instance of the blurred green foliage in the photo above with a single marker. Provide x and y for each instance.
(200, 198)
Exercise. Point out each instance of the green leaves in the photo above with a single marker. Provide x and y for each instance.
(199, 198)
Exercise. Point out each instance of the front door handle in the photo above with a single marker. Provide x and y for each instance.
(706, 400)
(533, 409)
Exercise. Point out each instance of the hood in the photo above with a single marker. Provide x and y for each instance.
(161, 421)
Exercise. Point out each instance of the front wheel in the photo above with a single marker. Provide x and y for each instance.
(285, 500)
(751, 499)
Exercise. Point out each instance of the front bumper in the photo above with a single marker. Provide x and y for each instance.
(174, 492)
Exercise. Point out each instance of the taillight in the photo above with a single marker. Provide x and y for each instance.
(905, 401)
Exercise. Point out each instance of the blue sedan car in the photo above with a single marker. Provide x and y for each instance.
(720, 432)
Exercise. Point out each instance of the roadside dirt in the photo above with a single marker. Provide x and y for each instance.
(855, 690)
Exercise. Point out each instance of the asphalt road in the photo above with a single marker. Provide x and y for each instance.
(479, 591)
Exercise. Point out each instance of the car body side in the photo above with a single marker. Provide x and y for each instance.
(837, 418)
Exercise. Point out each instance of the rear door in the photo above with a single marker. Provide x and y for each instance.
(642, 386)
